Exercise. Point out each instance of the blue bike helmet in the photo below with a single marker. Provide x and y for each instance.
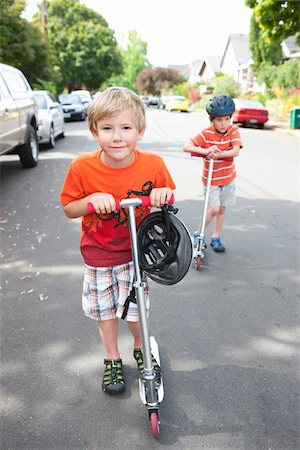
(165, 246)
(220, 105)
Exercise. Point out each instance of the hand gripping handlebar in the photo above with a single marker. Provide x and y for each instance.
(143, 201)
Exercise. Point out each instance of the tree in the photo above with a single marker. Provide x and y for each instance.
(22, 44)
(277, 19)
(226, 85)
(85, 46)
(134, 60)
(261, 51)
(155, 81)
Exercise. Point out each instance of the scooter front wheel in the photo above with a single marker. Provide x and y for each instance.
(154, 424)
(198, 262)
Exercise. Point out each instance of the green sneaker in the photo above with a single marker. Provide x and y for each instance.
(138, 356)
(113, 380)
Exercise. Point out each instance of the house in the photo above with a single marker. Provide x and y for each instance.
(209, 66)
(182, 69)
(189, 71)
(236, 60)
(290, 49)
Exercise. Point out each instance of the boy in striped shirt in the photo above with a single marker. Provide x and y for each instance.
(221, 141)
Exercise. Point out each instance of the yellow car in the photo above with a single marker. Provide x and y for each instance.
(177, 103)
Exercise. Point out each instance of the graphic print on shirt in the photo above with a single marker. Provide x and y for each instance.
(121, 216)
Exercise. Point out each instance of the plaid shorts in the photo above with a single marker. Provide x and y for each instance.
(105, 290)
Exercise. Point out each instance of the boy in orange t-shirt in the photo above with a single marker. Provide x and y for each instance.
(116, 170)
(221, 141)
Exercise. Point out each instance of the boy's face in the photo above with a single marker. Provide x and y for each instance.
(221, 123)
(117, 136)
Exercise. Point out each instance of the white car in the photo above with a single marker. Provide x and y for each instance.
(85, 96)
(51, 122)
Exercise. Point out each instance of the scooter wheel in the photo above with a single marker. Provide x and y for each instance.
(198, 262)
(154, 424)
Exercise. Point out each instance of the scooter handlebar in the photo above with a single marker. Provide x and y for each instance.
(145, 201)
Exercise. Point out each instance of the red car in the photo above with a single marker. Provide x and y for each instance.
(250, 112)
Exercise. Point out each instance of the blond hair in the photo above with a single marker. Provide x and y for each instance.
(113, 101)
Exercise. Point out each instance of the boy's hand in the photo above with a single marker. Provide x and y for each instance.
(103, 203)
(160, 196)
(214, 152)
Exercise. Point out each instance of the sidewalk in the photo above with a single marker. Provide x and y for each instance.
(282, 127)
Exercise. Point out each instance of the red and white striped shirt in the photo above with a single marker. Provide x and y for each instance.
(224, 169)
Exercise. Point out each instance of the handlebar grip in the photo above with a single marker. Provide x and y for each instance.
(90, 208)
(145, 203)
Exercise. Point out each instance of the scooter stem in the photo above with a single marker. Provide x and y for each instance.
(210, 171)
(140, 294)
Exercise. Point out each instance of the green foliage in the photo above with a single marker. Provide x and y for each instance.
(261, 51)
(158, 80)
(134, 60)
(267, 74)
(226, 85)
(286, 76)
(277, 19)
(85, 47)
(22, 43)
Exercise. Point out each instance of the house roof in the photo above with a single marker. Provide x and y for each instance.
(211, 61)
(182, 69)
(290, 48)
(240, 46)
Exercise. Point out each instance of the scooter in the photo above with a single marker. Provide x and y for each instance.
(199, 252)
(151, 386)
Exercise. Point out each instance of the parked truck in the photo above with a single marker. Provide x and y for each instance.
(18, 117)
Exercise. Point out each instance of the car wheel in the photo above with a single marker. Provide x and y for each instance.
(260, 125)
(29, 152)
(51, 143)
(83, 116)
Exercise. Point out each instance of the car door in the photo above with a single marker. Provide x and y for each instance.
(9, 120)
(56, 113)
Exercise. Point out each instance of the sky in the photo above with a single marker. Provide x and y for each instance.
(177, 31)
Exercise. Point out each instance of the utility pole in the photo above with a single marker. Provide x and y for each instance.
(45, 19)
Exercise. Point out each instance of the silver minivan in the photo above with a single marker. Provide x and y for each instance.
(18, 116)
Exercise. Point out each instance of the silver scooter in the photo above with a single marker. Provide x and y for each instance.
(200, 248)
(151, 386)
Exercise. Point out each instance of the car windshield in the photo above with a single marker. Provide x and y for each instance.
(248, 104)
(40, 101)
(179, 99)
(69, 99)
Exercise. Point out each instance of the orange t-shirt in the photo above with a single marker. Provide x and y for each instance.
(224, 169)
(105, 240)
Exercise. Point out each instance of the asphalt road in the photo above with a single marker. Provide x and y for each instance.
(228, 334)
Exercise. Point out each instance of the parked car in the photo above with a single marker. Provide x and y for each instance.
(51, 122)
(72, 106)
(18, 116)
(163, 101)
(154, 101)
(85, 96)
(177, 103)
(250, 112)
(144, 99)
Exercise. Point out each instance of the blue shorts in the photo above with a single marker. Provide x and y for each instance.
(105, 290)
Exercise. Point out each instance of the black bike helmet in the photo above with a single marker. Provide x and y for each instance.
(220, 105)
(165, 246)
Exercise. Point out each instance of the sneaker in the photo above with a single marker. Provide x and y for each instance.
(138, 356)
(196, 238)
(217, 245)
(113, 380)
